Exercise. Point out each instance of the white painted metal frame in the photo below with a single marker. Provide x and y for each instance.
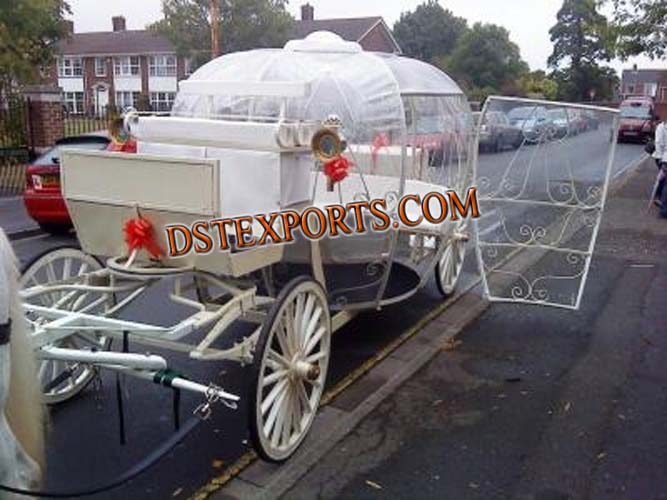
(532, 244)
(243, 304)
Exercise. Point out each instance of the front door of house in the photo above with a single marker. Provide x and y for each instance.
(101, 99)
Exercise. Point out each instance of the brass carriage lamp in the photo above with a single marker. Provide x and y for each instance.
(328, 146)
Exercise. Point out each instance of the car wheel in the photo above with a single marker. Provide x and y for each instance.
(55, 229)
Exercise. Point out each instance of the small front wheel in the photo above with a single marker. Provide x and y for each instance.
(289, 369)
(450, 266)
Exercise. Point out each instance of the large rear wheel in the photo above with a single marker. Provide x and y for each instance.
(62, 380)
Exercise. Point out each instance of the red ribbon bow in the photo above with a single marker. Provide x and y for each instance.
(139, 235)
(336, 169)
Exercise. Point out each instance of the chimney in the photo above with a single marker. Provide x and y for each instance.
(307, 12)
(69, 27)
(118, 23)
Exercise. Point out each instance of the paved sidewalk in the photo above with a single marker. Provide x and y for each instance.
(535, 403)
(13, 217)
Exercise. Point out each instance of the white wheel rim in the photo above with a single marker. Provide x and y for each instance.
(451, 263)
(60, 265)
(293, 370)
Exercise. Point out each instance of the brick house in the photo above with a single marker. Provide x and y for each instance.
(372, 33)
(113, 68)
(646, 82)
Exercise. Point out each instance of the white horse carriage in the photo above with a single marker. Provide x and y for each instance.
(254, 133)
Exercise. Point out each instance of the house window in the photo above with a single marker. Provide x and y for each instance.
(127, 99)
(162, 65)
(100, 66)
(70, 67)
(126, 66)
(162, 101)
(73, 102)
(630, 89)
(189, 66)
(650, 89)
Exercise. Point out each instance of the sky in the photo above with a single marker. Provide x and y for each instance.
(528, 21)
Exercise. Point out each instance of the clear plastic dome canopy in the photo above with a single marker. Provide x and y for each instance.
(407, 126)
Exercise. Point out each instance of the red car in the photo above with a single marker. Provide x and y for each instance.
(43, 198)
(638, 119)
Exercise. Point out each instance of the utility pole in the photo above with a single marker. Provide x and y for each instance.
(214, 12)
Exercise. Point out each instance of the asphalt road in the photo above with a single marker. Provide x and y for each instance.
(84, 449)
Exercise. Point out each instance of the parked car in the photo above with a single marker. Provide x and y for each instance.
(533, 121)
(497, 133)
(42, 197)
(638, 119)
(563, 123)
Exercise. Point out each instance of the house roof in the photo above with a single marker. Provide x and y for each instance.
(352, 29)
(115, 42)
(644, 75)
(146, 41)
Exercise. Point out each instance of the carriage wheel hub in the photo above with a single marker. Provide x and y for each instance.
(306, 370)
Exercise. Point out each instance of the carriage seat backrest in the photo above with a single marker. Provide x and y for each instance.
(251, 182)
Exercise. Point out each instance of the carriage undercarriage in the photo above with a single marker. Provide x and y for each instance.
(73, 305)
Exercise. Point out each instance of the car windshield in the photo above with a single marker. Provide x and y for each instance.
(636, 111)
(52, 156)
(558, 114)
(523, 113)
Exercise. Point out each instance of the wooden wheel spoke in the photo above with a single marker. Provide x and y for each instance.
(305, 321)
(282, 337)
(275, 377)
(298, 321)
(275, 407)
(67, 268)
(286, 431)
(303, 396)
(277, 359)
(310, 329)
(278, 389)
(316, 357)
(312, 343)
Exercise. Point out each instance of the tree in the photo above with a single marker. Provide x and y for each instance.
(428, 32)
(29, 30)
(537, 85)
(640, 27)
(600, 82)
(244, 24)
(485, 58)
(580, 37)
